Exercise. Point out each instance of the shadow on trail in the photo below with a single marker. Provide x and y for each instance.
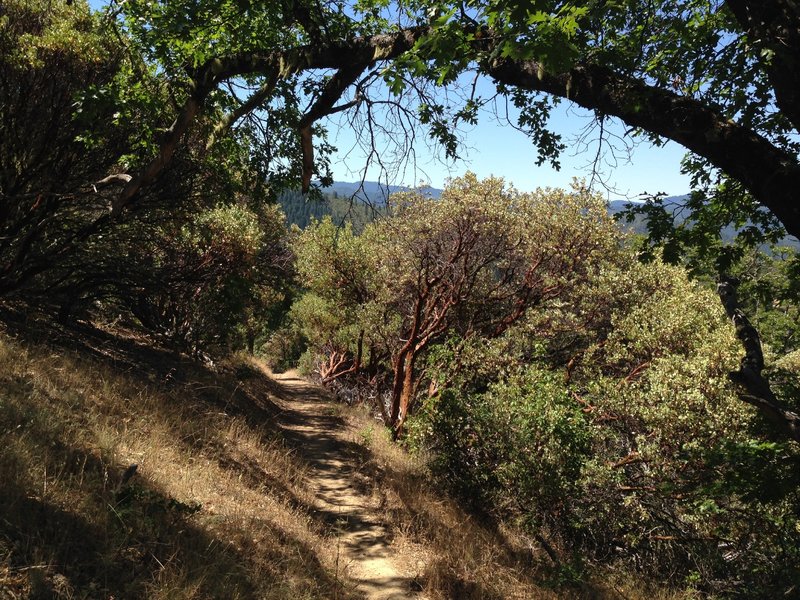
(311, 425)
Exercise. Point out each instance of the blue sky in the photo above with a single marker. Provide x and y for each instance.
(492, 148)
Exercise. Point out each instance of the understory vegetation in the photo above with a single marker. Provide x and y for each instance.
(546, 406)
(558, 383)
(218, 505)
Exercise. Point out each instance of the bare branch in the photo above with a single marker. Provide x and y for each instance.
(112, 179)
(252, 103)
(325, 105)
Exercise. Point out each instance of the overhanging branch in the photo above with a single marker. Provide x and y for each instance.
(325, 105)
(768, 172)
(245, 108)
(361, 52)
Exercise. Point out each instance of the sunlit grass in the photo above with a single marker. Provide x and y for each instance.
(217, 508)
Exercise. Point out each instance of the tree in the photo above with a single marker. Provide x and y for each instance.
(151, 105)
(473, 262)
(207, 283)
(333, 265)
(249, 84)
(48, 58)
(200, 254)
(470, 264)
(716, 77)
(604, 425)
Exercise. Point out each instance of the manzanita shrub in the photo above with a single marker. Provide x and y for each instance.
(606, 427)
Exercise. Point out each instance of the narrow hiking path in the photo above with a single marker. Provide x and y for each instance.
(325, 441)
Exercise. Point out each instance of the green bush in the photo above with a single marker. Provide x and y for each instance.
(607, 427)
(516, 449)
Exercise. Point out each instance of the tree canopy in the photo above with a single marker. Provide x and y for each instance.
(716, 77)
(551, 376)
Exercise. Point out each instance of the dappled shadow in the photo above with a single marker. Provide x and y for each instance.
(136, 539)
(76, 533)
(126, 350)
(140, 357)
(94, 537)
(341, 474)
(109, 543)
(378, 586)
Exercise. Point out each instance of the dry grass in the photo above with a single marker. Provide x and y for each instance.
(217, 508)
(455, 556)
(459, 556)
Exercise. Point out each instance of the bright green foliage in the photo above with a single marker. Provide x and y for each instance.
(786, 378)
(606, 425)
(469, 264)
(68, 33)
(515, 449)
(332, 264)
(770, 295)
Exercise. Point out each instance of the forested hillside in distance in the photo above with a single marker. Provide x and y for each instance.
(374, 192)
(300, 209)
(343, 202)
(356, 203)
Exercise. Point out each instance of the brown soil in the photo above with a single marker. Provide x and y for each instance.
(310, 421)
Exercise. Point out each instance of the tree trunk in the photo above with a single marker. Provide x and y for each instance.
(406, 395)
(755, 388)
(397, 387)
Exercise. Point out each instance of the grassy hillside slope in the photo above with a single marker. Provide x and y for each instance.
(220, 504)
(216, 508)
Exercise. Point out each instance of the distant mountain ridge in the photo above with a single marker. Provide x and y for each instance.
(371, 197)
(374, 192)
(676, 203)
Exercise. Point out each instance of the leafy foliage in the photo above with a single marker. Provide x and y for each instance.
(48, 58)
(198, 261)
(209, 284)
(657, 464)
(468, 264)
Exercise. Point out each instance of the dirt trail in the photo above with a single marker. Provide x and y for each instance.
(324, 440)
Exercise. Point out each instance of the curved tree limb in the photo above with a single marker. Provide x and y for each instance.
(346, 56)
(769, 173)
(165, 152)
(325, 105)
(245, 108)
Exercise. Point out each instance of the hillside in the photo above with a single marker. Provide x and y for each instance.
(245, 485)
(359, 203)
(373, 192)
(676, 204)
(355, 202)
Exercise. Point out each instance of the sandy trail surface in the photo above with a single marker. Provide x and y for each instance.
(324, 440)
